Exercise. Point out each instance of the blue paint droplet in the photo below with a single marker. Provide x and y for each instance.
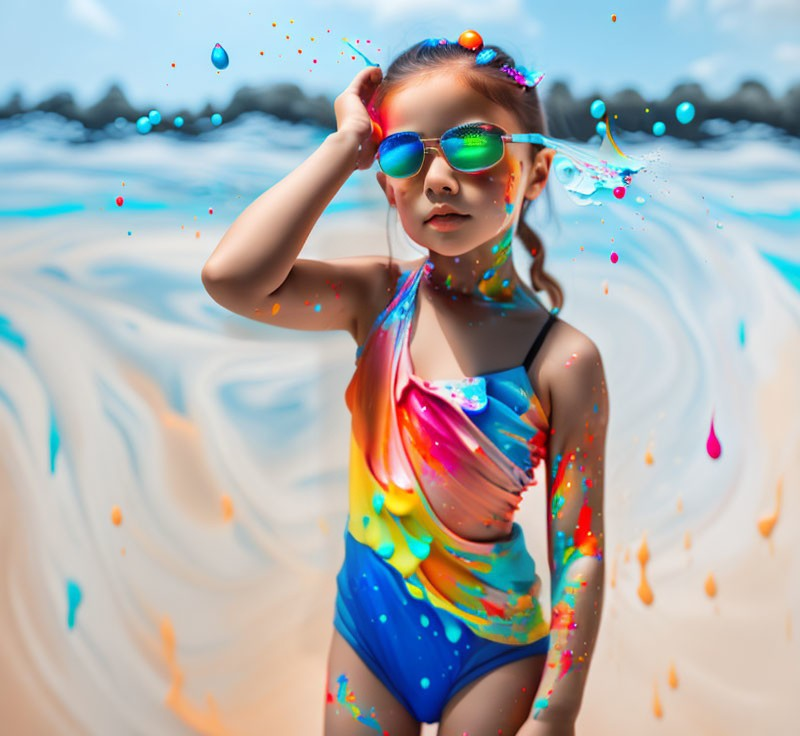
(216, 119)
(382, 618)
(659, 128)
(178, 122)
(600, 129)
(143, 125)
(219, 57)
(425, 683)
(74, 598)
(317, 307)
(154, 116)
(425, 621)
(685, 112)
(597, 109)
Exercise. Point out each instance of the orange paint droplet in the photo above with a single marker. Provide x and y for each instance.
(711, 585)
(713, 448)
(687, 540)
(658, 711)
(672, 676)
(276, 308)
(679, 505)
(116, 515)
(227, 507)
(613, 17)
(274, 24)
(767, 523)
(648, 457)
(261, 53)
(173, 64)
(197, 234)
(645, 591)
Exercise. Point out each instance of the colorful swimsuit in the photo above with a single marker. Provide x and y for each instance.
(427, 610)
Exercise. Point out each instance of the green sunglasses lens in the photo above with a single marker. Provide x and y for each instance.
(401, 155)
(473, 147)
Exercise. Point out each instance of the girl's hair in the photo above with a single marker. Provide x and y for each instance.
(430, 57)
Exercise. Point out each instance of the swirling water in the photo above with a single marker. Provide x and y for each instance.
(220, 443)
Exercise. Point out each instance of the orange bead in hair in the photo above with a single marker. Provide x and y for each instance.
(471, 40)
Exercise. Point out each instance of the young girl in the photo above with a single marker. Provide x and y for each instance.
(464, 382)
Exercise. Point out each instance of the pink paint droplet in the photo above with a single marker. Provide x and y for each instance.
(713, 448)
(619, 192)
(119, 201)
(614, 257)
(210, 210)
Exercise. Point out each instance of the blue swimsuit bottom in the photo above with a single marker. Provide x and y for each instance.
(421, 654)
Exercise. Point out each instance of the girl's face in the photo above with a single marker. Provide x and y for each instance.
(492, 199)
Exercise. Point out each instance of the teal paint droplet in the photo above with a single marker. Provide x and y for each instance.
(317, 307)
(154, 116)
(365, 521)
(600, 129)
(386, 550)
(219, 57)
(741, 332)
(378, 499)
(55, 443)
(659, 128)
(597, 109)
(74, 598)
(425, 683)
(425, 621)
(685, 112)
(216, 119)
(382, 618)
(143, 125)
(178, 122)
(452, 631)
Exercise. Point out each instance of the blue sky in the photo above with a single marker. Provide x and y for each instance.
(84, 45)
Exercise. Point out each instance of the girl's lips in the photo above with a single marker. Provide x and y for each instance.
(446, 222)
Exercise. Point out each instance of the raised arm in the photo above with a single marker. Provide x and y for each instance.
(257, 256)
(575, 470)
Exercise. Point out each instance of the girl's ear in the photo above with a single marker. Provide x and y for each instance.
(540, 171)
(387, 189)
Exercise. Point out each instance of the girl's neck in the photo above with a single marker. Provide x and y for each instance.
(484, 274)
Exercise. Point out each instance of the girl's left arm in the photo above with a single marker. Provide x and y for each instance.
(575, 468)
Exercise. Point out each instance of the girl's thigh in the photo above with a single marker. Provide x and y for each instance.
(353, 692)
(499, 702)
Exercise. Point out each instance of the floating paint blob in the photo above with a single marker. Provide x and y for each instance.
(713, 447)
(597, 109)
(227, 507)
(672, 676)
(143, 125)
(685, 112)
(658, 711)
(178, 122)
(600, 129)
(741, 332)
(613, 17)
(644, 591)
(216, 119)
(659, 128)
(711, 585)
(116, 515)
(619, 192)
(74, 598)
(614, 257)
(424, 683)
(219, 57)
(154, 116)
(119, 201)
(767, 522)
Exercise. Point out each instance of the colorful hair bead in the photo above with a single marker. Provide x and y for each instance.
(471, 40)
(522, 76)
(485, 56)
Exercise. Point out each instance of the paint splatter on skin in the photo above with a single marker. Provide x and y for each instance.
(711, 586)
(645, 591)
(347, 698)
(767, 522)
(227, 507)
(116, 516)
(672, 676)
(658, 711)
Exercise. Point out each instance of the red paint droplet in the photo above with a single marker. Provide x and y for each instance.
(210, 210)
(330, 697)
(614, 257)
(315, 61)
(713, 448)
(119, 201)
(619, 192)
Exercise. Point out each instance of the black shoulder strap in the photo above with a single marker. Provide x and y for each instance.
(538, 342)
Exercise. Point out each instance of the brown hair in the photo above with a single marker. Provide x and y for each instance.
(430, 57)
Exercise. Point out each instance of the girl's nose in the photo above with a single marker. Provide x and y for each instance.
(439, 173)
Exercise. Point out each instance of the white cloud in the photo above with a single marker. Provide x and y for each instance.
(787, 53)
(707, 68)
(93, 14)
(467, 12)
(740, 15)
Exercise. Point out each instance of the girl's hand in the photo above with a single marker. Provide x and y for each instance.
(352, 116)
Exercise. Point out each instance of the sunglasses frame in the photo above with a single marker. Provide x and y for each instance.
(534, 138)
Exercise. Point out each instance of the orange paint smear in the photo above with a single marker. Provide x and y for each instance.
(658, 711)
(116, 515)
(204, 722)
(672, 676)
(767, 523)
(227, 507)
(645, 591)
(711, 585)
(687, 540)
